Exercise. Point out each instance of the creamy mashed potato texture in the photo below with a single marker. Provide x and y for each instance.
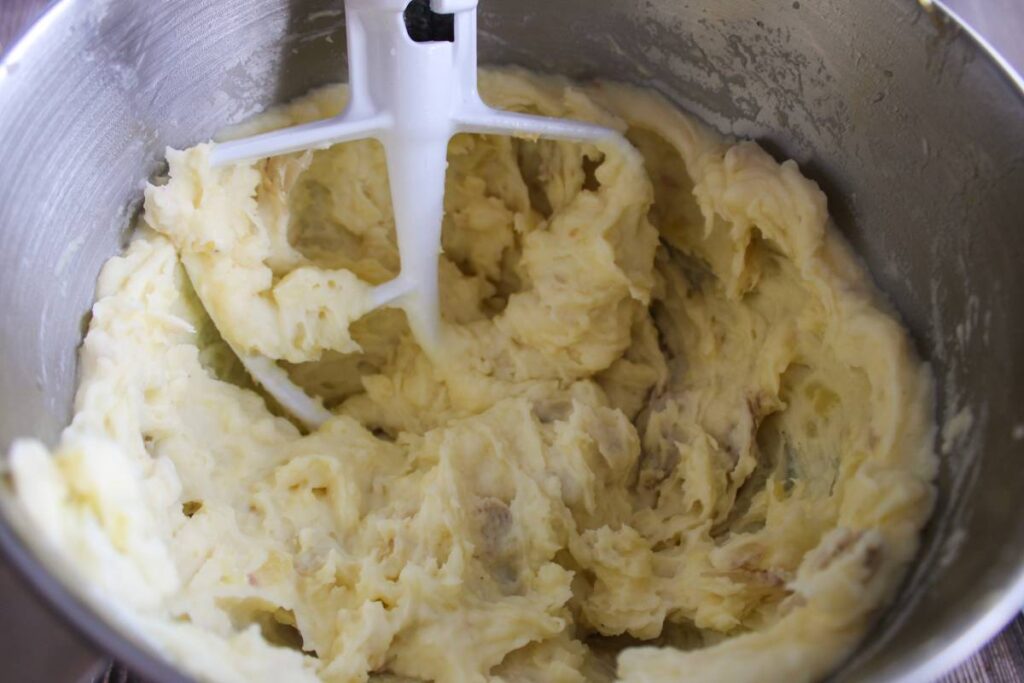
(672, 435)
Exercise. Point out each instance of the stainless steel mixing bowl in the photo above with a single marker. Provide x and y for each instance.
(914, 132)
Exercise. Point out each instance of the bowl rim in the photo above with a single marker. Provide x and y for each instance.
(71, 609)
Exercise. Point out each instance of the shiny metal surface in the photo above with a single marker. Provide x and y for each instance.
(914, 132)
(997, 26)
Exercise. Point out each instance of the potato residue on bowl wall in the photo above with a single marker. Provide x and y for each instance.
(674, 434)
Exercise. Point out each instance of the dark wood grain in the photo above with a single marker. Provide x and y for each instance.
(15, 15)
(1001, 661)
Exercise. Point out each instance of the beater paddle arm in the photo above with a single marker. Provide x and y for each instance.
(412, 97)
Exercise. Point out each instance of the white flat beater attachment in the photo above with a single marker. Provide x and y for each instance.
(412, 97)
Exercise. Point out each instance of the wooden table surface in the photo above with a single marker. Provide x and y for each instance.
(1001, 661)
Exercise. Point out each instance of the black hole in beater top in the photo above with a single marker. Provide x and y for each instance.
(426, 26)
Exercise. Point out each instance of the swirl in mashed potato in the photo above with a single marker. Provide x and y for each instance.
(673, 434)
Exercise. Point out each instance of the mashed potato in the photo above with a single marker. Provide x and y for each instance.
(673, 434)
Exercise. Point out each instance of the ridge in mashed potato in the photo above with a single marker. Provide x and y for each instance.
(674, 435)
